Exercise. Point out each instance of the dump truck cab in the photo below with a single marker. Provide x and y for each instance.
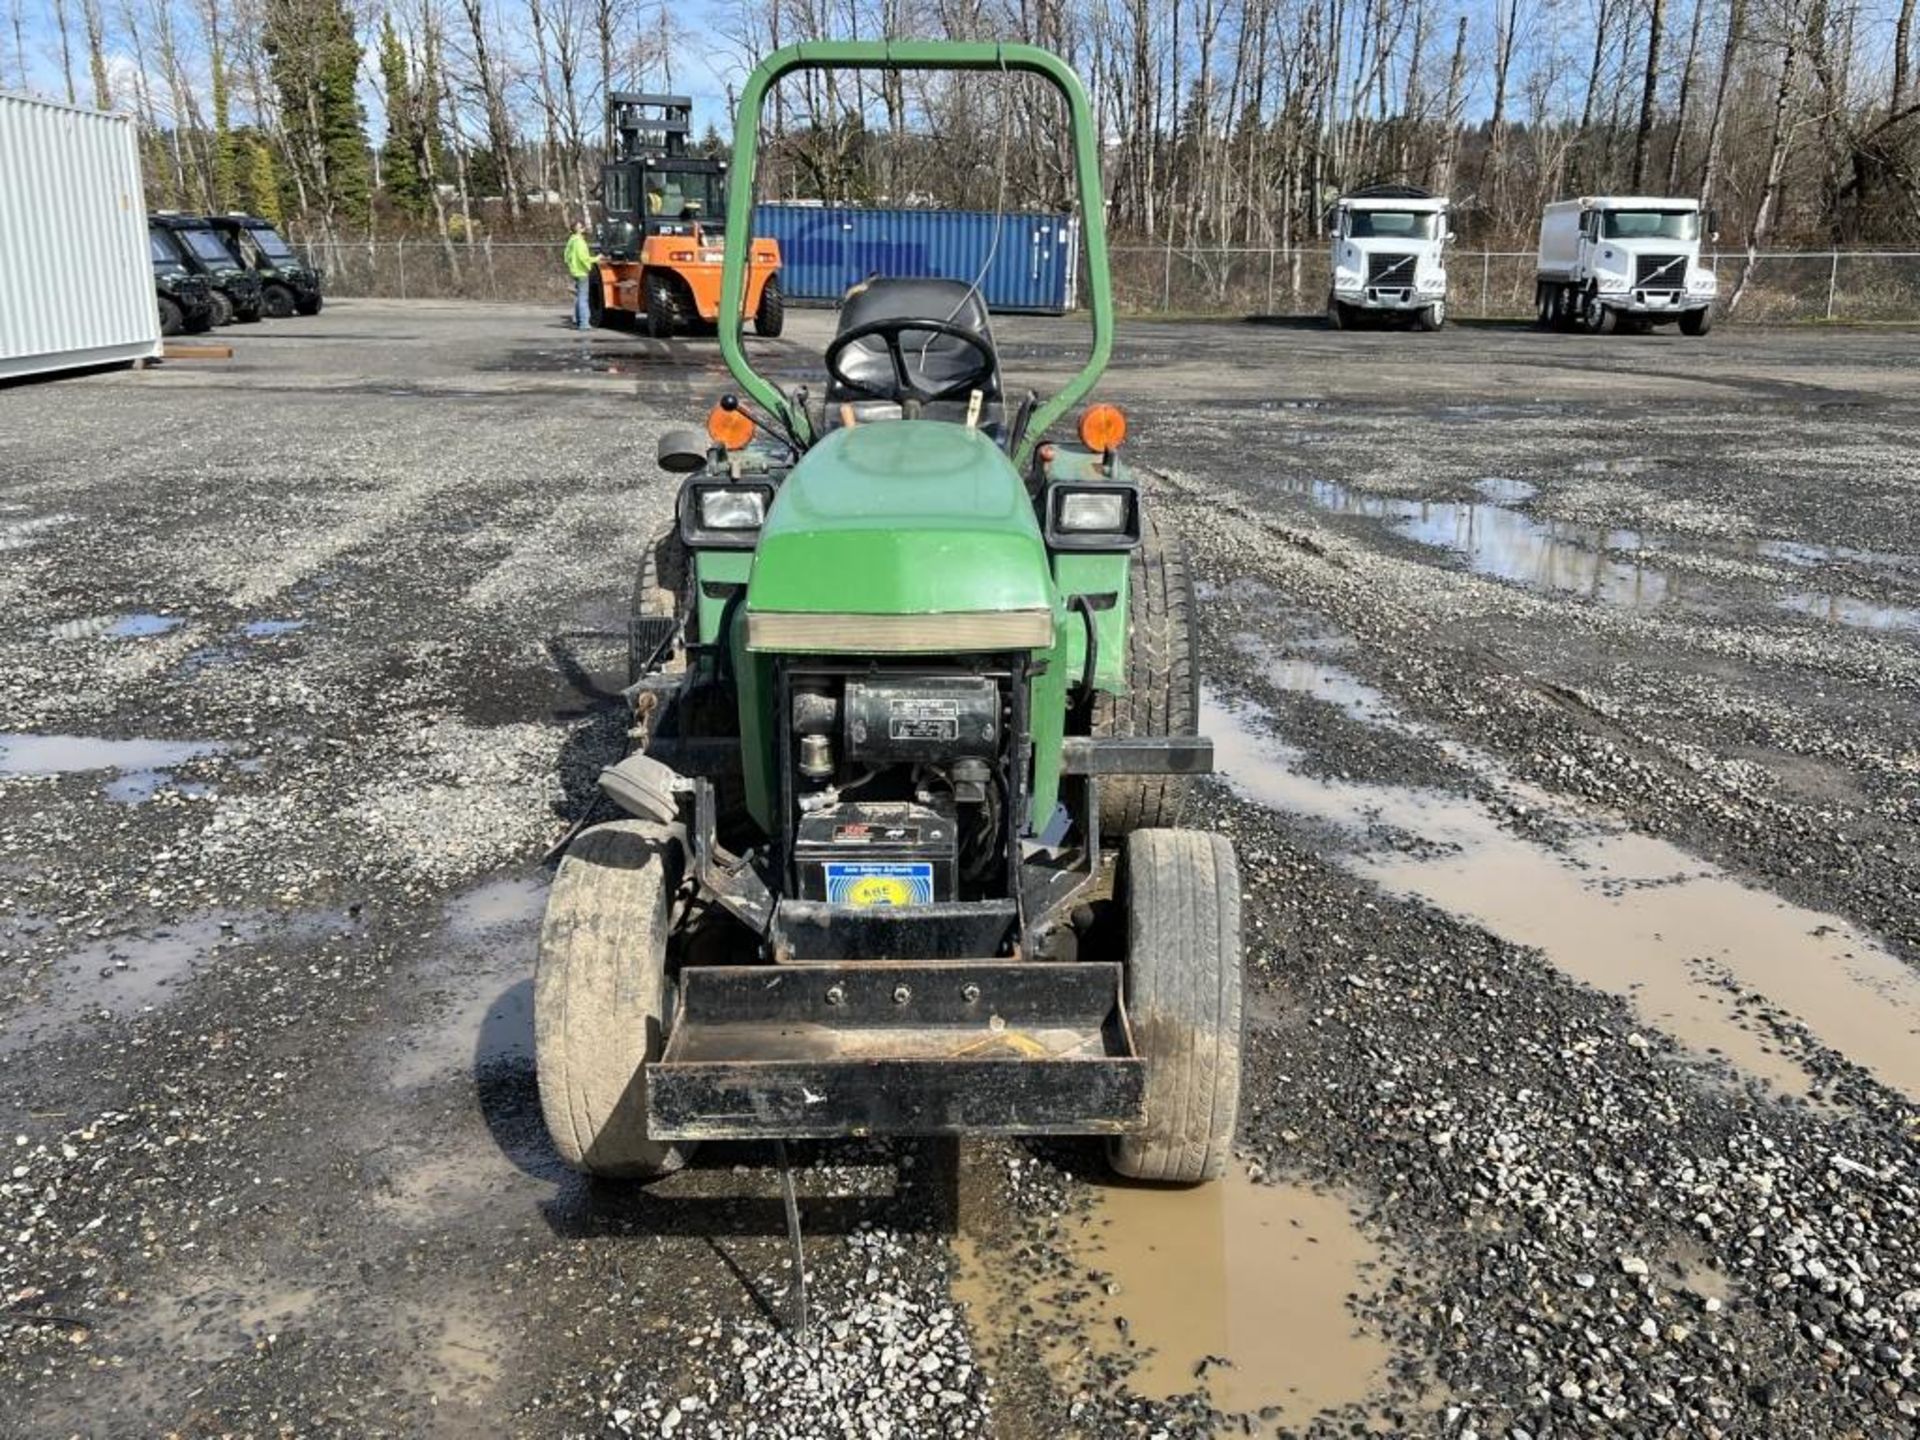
(913, 723)
(664, 221)
(1633, 261)
(288, 284)
(1389, 256)
(203, 251)
(185, 300)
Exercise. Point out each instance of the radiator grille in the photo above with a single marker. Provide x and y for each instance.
(1660, 272)
(1383, 269)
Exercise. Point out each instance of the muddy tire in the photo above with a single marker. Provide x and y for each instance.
(170, 317)
(1697, 322)
(771, 318)
(1181, 893)
(656, 596)
(278, 302)
(1163, 683)
(602, 999)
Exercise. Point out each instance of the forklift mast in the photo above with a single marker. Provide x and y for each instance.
(649, 125)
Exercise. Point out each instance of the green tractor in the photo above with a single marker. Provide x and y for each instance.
(914, 698)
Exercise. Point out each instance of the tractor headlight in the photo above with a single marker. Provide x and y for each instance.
(732, 509)
(1095, 510)
(727, 514)
(1102, 516)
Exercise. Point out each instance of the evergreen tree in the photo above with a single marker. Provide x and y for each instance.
(260, 182)
(313, 60)
(405, 186)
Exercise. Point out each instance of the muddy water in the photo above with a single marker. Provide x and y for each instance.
(1846, 610)
(1509, 544)
(1239, 1289)
(1624, 912)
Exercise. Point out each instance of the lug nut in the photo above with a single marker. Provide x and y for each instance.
(901, 994)
(836, 995)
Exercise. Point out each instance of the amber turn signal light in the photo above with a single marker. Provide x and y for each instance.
(730, 426)
(1102, 428)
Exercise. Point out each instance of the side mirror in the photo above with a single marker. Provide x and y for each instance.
(683, 451)
(1452, 235)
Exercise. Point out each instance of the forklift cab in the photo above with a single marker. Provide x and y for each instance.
(652, 186)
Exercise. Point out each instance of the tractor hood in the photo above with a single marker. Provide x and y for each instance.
(902, 518)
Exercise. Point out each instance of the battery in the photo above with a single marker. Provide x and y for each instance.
(878, 855)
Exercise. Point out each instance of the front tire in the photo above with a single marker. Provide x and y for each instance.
(1336, 313)
(1598, 319)
(278, 301)
(309, 307)
(663, 312)
(222, 308)
(1184, 999)
(596, 302)
(1433, 316)
(771, 318)
(1697, 322)
(1163, 684)
(602, 999)
(170, 317)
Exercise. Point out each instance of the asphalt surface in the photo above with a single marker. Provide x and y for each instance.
(1565, 690)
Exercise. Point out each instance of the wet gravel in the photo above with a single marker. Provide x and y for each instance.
(272, 1156)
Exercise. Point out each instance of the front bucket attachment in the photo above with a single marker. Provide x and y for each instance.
(991, 1047)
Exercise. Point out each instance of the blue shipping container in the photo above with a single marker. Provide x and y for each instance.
(826, 249)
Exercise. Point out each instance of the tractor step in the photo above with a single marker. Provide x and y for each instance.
(995, 1047)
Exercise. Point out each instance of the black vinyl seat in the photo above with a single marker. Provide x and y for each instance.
(936, 360)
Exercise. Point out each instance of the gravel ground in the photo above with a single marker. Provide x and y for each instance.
(331, 632)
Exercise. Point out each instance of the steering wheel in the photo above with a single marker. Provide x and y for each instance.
(891, 329)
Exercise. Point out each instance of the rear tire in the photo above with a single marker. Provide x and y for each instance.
(771, 318)
(602, 999)
(1183, 996)
(656, 595)
(170, 317)
(1163, 684)
(1697, 322)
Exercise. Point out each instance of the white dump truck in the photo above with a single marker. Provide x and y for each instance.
(1613, 261)
(1389, 257)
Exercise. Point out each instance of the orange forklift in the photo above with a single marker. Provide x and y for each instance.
(665, 223)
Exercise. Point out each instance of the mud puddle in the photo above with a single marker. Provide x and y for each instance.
(138, 626)
(1239, 1289)
(583, 360)
(1846, 610)
(1508, 544)
(140, 768)
(123, 976)
(1685, 943)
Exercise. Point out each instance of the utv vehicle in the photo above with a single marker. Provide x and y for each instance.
(199, 249)
(288, 285)
(185, 300)
(913, 702)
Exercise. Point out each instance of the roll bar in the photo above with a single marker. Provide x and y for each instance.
(916, 55)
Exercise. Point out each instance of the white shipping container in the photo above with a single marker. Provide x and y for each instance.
(76, 276)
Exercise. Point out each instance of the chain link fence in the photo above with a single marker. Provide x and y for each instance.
(1174, 280)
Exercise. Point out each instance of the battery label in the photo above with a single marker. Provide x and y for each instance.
(923, 718)
(862, 833)
(875, 886)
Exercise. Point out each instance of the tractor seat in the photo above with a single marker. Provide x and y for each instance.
(938, 359)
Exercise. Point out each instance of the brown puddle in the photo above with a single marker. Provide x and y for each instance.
(1238, 1289)
(1623, 912)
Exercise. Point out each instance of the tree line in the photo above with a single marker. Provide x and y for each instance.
(1224, 122)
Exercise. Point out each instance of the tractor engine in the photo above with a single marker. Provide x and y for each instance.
(898, 783)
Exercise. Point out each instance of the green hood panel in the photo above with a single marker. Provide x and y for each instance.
(901, 517)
